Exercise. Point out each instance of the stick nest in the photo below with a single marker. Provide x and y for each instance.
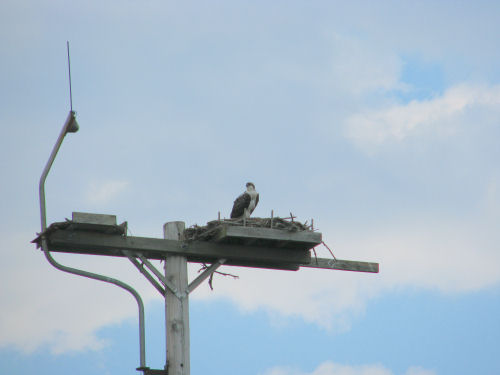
(207, 232)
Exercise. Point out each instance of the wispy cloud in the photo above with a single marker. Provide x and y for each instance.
(331, 368)
(103, 191)
(44, 307)
(451, 256)
(359, 67)
(439, 116)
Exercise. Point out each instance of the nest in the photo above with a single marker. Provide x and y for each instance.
(210, 230)
(71, 225)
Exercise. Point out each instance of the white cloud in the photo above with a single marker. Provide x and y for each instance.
(103, 191)
(491, 203)
(449, 256)
(331, 368)
(452, 256)
(419, 371)
(358, 66)
(438, 116)
(44, 307)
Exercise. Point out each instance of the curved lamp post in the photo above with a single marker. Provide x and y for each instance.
(71, 126)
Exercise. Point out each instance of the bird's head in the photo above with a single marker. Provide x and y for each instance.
(250, 186)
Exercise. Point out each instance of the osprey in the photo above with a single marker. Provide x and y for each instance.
(245, 203)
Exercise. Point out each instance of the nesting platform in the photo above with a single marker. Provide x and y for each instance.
(247, 246)
(266, 232)
(281, 245)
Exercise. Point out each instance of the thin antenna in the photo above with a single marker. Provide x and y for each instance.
(69, 73)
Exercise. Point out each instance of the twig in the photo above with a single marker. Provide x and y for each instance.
(210, 279)
(323, 242)
(291, 217)
(315, 255)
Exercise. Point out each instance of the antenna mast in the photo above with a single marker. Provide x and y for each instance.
(69, 73)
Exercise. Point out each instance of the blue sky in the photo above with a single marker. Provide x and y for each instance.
(380, 120)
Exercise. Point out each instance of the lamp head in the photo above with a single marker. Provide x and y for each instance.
(72, 125)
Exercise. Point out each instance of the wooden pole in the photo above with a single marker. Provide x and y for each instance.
(176, 305)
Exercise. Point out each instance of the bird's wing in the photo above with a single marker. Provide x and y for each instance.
(239, 205)
(256, 203)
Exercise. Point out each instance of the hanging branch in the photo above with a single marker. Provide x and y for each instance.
(210, 279)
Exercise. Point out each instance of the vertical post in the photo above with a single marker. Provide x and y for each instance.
(176, 307)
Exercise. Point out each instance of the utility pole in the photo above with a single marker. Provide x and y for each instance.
(176, 305)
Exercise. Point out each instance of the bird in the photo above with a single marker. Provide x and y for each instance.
(245, 204)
